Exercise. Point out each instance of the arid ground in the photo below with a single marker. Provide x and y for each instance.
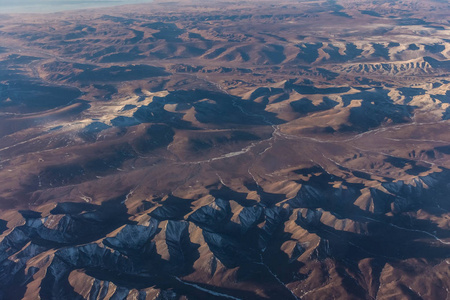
(226, 150)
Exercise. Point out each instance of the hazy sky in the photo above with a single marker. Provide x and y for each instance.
(41, 6)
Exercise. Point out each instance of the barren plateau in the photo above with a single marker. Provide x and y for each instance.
(226, 150)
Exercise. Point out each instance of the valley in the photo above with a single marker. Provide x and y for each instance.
(226, 150)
